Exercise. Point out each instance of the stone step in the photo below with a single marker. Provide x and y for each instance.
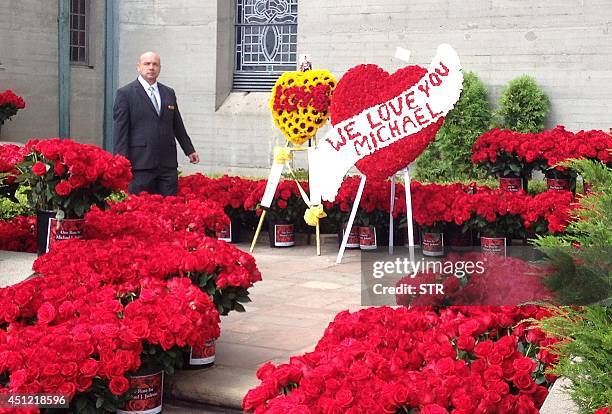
(218, 386)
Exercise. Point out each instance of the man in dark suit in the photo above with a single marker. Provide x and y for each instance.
(146, 122)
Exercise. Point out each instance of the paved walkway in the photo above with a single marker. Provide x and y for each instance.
(299, 296)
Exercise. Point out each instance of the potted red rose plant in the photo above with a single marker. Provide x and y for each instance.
(286, 208)
(432, 207)
(230, 192)
(10, 156)
(511, 156)
(65, 179)
(594, 145)
(339, 210)
(496, 215)
(10, 103)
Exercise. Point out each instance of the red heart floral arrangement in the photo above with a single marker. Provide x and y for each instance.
(365, 86)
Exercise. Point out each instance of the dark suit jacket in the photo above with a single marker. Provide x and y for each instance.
(146, 139)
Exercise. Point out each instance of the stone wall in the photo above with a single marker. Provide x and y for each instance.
(565, 44)
(29, 66)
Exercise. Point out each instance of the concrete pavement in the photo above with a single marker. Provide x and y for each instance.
(298, 297)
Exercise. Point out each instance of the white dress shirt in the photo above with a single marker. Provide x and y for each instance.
(146, 87)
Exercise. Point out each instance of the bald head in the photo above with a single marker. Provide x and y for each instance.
(149, 66)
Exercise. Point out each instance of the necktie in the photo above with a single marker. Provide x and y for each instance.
(154, 99)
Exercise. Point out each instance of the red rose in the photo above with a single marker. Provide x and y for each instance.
(18, 378)
(46, 313)
(68, 389)
(522, 380)
(484, 349)
(119, 385)
(524, 365)
(344, 398)
(466, 343)
(89, 368)
(265, 371)
(281, 203)
(70, 369)
(39, 168)
(285, 194)
(51, 370)
(258, 396)
(63, 188)
(59, 168)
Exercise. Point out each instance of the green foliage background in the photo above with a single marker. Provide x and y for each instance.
(448, 156)
(523, 106)
(584, 275)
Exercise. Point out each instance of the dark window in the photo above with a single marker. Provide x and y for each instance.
(79, 32)
(266, 42)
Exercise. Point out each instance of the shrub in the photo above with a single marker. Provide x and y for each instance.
(585, 353)
(582, 256)
(583, 275)
(448, 156)
(10, 209)
(523, 106)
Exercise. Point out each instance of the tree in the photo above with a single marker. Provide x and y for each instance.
(523, 106)
(448, 156)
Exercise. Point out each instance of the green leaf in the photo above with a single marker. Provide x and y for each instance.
(99, 402)
(243, 299)
(81, 402)
(239, 308)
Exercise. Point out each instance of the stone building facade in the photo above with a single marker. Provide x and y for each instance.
(566, 45)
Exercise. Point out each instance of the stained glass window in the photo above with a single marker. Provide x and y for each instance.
(266, 42)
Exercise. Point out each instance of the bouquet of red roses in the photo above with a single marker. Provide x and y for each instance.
(287, 205)
(230, 192)
(10, 103)
(10, 156)
(506, 153)
(18, 234)
(75, 337)
(148, 216)
(549, 212)
(496, 212)
(384, 360)
(558, 145)
(68, 177)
